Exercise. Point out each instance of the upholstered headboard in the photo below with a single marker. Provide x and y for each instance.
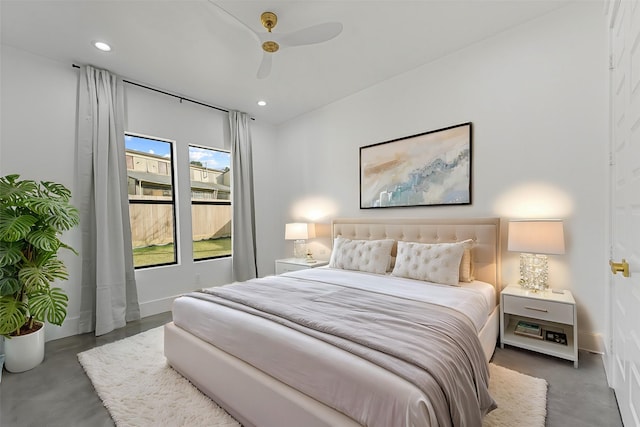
(485, 232)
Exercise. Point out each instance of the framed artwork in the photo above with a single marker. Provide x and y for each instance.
(428, 169)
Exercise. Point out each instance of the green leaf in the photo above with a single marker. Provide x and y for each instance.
(14, 227)
(57, 212)
(45, 239)
(65, 217)
(57, 189)
(40, 205)
(64, 245)
(12, 190)
(39, 274)
(10, 253)
(13, 314)
(50, 305)
(33, 277)
(9, 286)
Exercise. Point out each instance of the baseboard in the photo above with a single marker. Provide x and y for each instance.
(70, 327)
(71, 324)
(162, 305)
(591, 342)
(607, 362)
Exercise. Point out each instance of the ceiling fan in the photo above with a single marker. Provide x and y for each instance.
(272, 43)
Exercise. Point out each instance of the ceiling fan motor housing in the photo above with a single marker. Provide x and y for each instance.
(269, 20)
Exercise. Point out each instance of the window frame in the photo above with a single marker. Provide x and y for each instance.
(172, 145)
(217, 202)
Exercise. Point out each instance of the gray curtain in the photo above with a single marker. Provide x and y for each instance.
(244, 228)
(109, 297)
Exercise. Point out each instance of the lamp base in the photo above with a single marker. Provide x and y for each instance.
(534, 272)
(300, 249)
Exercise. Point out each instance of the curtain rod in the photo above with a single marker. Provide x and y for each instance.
(181, 98)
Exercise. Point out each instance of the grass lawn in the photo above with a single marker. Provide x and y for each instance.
(154, 255)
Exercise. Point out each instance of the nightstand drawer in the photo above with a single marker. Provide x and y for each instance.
(539, 309)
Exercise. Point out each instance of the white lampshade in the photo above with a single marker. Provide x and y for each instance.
(536, 236)
(299, 231)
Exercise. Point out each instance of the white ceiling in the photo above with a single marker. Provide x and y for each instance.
(192, 49)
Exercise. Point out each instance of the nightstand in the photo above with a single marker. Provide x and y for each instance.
(294, 264)
(554, 312)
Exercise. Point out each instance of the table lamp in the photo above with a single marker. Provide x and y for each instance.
(299, 232)
(535, 239)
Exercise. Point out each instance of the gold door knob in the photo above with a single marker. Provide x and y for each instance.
(622, 267)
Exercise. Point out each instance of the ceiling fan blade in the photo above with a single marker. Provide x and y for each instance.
(265, 66)
(228, 17)
(311, 35)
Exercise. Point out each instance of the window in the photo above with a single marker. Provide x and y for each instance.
(151, 200)
(210, 172)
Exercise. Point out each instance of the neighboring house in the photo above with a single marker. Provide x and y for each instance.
(150, 178)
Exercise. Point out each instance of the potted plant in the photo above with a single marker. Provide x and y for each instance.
(33, 216)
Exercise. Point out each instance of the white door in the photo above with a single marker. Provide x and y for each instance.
(624, 301)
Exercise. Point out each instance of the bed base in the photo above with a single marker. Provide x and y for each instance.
(255, 398)
(246, 393)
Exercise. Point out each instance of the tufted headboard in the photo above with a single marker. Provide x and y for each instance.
(484, 231)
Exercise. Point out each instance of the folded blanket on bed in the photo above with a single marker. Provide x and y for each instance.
(434, 347)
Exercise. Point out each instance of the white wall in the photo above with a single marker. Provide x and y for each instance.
(38, 126)
(537, 98)
(38, 136)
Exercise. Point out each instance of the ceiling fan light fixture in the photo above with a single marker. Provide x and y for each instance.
(270, 46)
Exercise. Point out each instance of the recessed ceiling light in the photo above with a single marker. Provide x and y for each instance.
(262, 103)
(102, 46)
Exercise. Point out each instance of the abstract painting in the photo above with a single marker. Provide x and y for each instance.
(428, 169)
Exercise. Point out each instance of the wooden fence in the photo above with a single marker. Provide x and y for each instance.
(153, 224)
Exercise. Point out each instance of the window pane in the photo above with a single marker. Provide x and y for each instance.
(210, 172)
(151, 204)
(152, 234)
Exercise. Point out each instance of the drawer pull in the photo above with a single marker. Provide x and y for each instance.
(544, 310)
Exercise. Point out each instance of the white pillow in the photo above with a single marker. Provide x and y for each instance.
(372, 256)
(467, 268)
(438, 262)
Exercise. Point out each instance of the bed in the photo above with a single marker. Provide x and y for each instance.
(267, 364)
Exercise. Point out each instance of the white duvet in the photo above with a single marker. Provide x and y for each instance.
(475, 299)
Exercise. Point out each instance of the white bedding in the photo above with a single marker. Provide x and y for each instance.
(291, 354)
(478, 308)
(465, 298)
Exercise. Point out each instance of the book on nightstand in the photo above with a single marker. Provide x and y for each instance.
(528, 329)
(557, 337)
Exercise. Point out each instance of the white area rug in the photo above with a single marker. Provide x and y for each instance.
(138, 388)
(522, 400)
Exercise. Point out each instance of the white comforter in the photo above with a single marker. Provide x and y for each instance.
(475, 299)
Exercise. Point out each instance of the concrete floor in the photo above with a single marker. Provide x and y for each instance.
(58, 393)
(575, 397)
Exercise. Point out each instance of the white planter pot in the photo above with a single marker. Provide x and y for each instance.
(24, 352)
